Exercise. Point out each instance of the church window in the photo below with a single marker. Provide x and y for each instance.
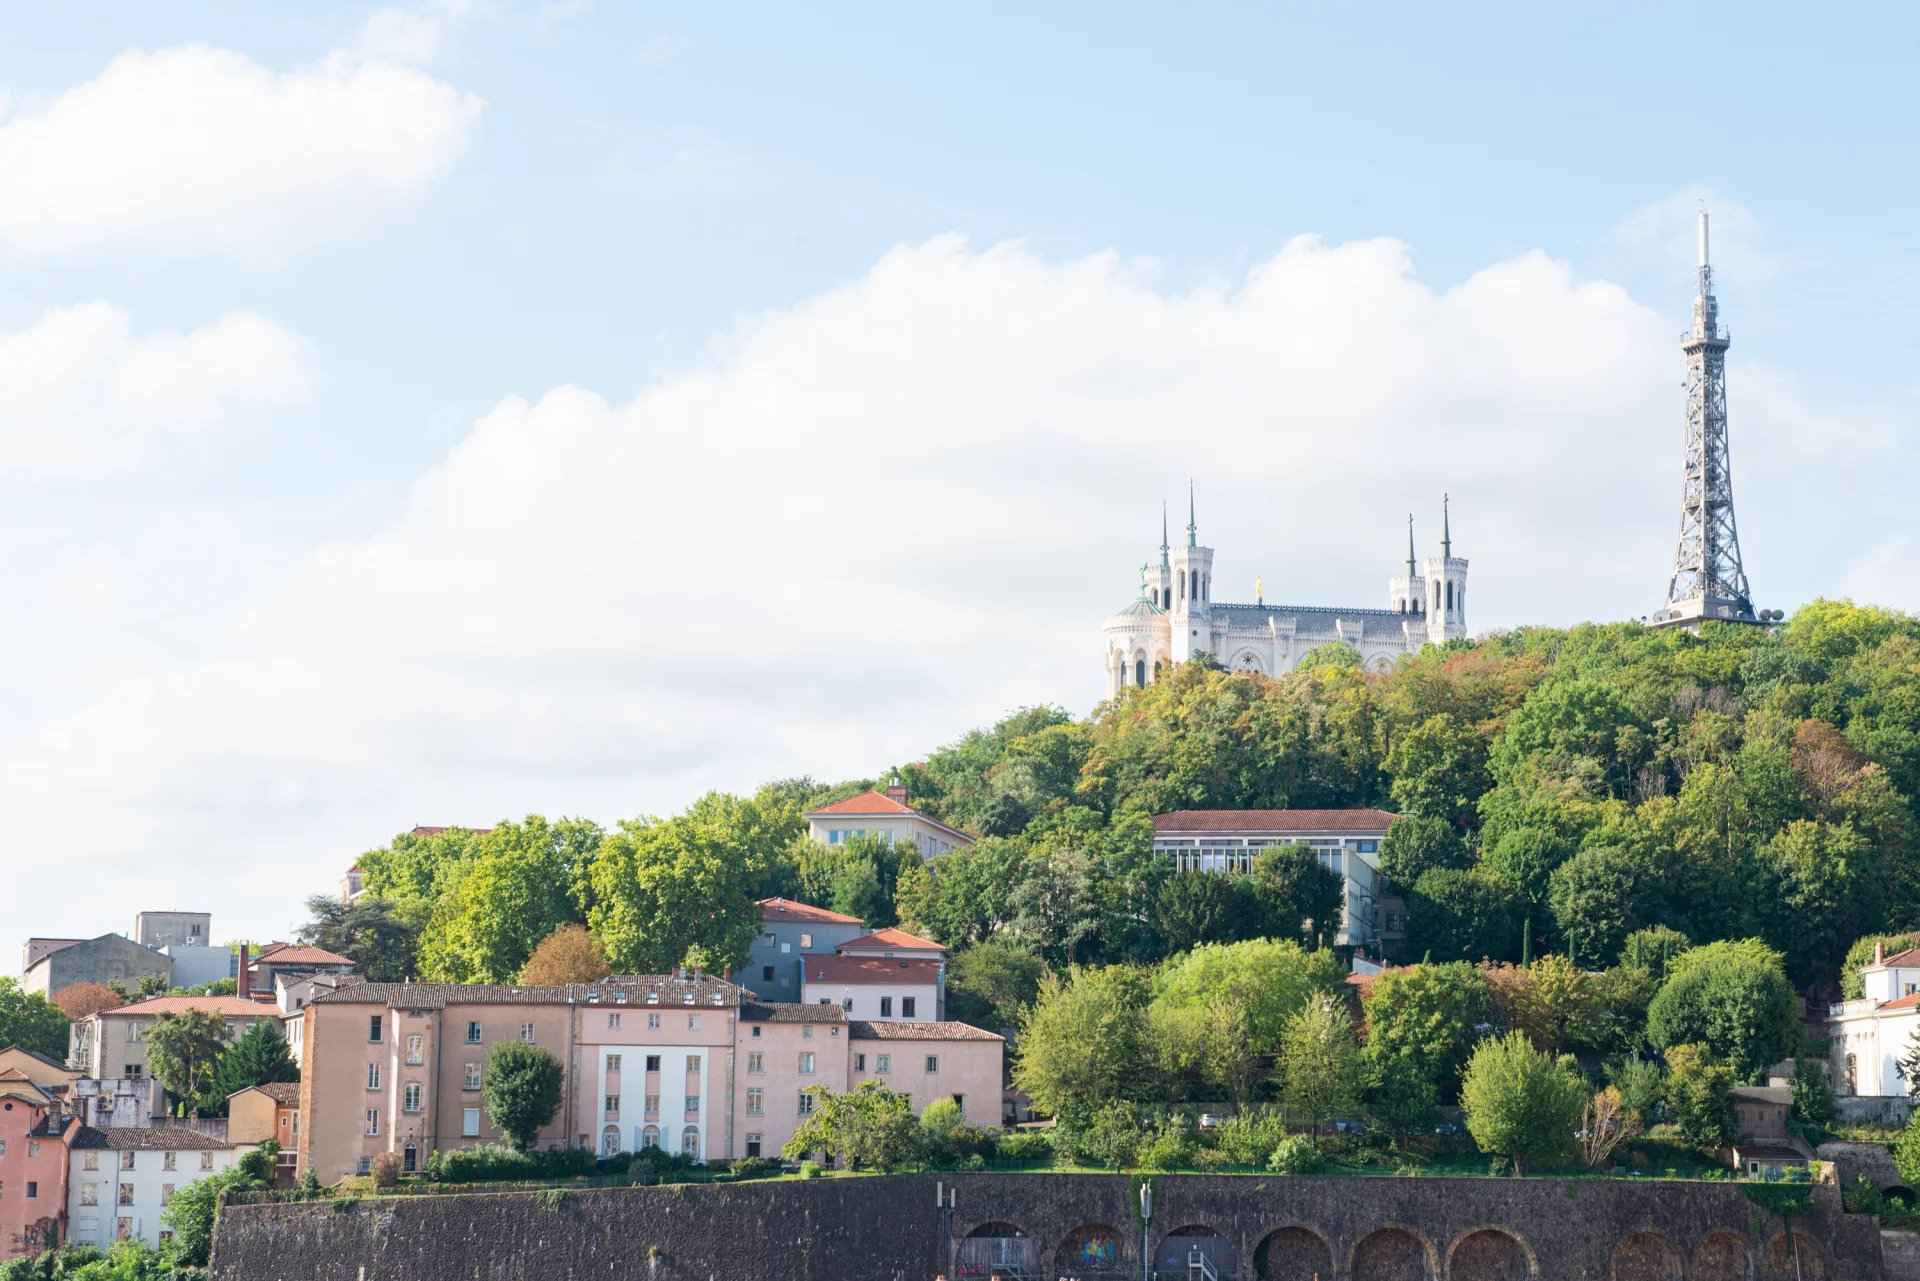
(1168, 593)
(1449, 595)
(1436, 598)
(1183, 587)
(1139, 671)
(1193, 589)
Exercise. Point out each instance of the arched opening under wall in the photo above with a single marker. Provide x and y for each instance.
(1901, 1195)
(1293, 1254)
(1097, 1252)
(1488, 1255)
(1722, 1257)
(1810, 1265)
(1182, 1250)
(1645, 1256)
(1392, 1254)
(997, 1250)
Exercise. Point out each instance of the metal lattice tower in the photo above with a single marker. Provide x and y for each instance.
(1709, 582)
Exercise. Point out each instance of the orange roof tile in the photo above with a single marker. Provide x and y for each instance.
(228, 1007)
(302, 954)
(1352, 820)
(786, 909)
(865, 803)
(890, 936)
(869, 970)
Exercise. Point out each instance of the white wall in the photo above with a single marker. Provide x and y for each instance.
(866, 998)
(98, 1223)
(1876, 1042)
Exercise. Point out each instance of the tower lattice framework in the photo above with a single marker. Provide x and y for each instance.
(1709, 581)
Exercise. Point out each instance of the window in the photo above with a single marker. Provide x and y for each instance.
(526, 1033)
(933, 1063)
(133, 1071)
(693, 1105)
(410, 1096)
(766, 974)
(690, 1142)
(33, 1147)
(785, 948)
(806, 1104)
(883, 1063)
(123, 1226)
(653, 1062)
(806, 940)
(960, 1101)
(166, 1192)
(416, 1049)
(91, 1161)
(410, 1162)
(613, 1020)
(806, 1064)
(473, 1077)
(373, 1027)
(650, 1137)
(756, 1029)
(693, 1022)
(373, 1076)
(365, 1166)
(473, 1033)
(169, 1160)
(756, 1101)
(126, 1160)
(613, 1105)
(373, 1120)
(693, 1062)
(469, 1122)
(906, 1007)
(89, 1194)
(126, 1194)
(806, 1033)
(653, 1022)
(846, 1003)
(756, 1062)
(33, 1191)
(613, 1062)
(886, 1007)
(859, 1062)
(166, 1235)
(753, 1145)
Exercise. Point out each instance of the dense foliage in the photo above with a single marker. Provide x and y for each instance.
(30, 1021)
(523, 1084)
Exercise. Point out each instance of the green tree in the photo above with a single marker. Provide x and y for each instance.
(1319, 1065)
(1600, 896)
(371, 931)
(1519, 1102)
(1732, 998)
(1299, 896)
(415, 871)
(990, 983)
(1642, 1084)
(257, 1056)
(190, 1215)
(522, 1090)
(1417, 844)
(1268, 979)
(1567, 723)
(1812, 1095)
(1460, 916)
(1654, 949)
(1825, 885)
(1906, 1151)
(1193, 908)
(1439, 770)
(1083, 1040)
(31, 1022)
(1423, 1021)
(1700, 1097)
(866, 1128)
(970, 894)
(663, 888)
(184, 1051)
(524, 883)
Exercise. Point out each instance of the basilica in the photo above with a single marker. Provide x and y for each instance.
(1176, 617)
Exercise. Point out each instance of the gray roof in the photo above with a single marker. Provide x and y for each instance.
(667, 989)
(907, 1030)
(789, 1012)
(150, 1138)
(1780, 1094)
(1327, 611)
(1140, 608)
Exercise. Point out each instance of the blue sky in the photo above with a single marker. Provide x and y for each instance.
(433, 413)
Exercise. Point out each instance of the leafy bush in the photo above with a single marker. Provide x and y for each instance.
(1293, 1155)
(1111, 1137)
(495, 1162)
(386, 1170)
(755, 1167)
(1170, 1148)
(1249, 1138)
(810, 1170)
(1035, 1146)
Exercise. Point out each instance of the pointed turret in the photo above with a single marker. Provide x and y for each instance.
(1193, 530)
(1163, 536)
(1446, 527)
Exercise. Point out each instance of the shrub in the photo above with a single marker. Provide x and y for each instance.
(1024, 1145)
(755, 1167)
(492, 1162)
(1111, 1137)
(1170, 1148)
(1293, 1155)
(1249, 1138)
(386, 1170)
(810, 1170)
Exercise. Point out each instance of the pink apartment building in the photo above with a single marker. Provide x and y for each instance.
(689, 1063)
(34, 1134)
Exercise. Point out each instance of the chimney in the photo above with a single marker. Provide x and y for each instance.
(897, 792)
(1879, 954)
(243, 986)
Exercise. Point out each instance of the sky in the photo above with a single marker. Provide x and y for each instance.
(446, 412)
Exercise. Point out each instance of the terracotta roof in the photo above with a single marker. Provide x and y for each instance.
(789, 1012)
(34, 1054)
(230, 1007)
(891, 936)
(1909, 957)
(869, 969)
(865, 803)
(285, 1093)
(152, 1138)
(303, 954)
(786, 909)
(1355, 820)
(903, 1030)
(635, 987)
(1900, 1003)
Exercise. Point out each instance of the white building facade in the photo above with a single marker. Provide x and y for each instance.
(1176, 618)
(887, 816)
(120, 1180)
(1871, 1035)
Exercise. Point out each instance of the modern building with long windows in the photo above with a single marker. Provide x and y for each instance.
(1347, 843)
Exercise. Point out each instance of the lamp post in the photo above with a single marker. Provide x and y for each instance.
(1146, 1220)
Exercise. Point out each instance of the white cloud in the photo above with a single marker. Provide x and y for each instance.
(1666, 228)
(414, 35)
(856, 528)
(207, 150)
(80, 393)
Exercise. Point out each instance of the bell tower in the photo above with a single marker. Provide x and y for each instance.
(1445, 585)
(1192, 586)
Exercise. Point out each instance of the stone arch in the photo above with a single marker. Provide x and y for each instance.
(1393, 1254)
(1813, 1263)
(1176, 1249)
(1096, 1252)
(1249, 662)
(1902, 1194)
(997, 1248)
(1294, 1253)
(1722, 1256)
(1380, 664)
(1489, 1254)
(1645, 1256)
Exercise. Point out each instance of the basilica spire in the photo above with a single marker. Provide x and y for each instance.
(1410, 571)
(1446, 528)
(1193, 537)
(1163, 535)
